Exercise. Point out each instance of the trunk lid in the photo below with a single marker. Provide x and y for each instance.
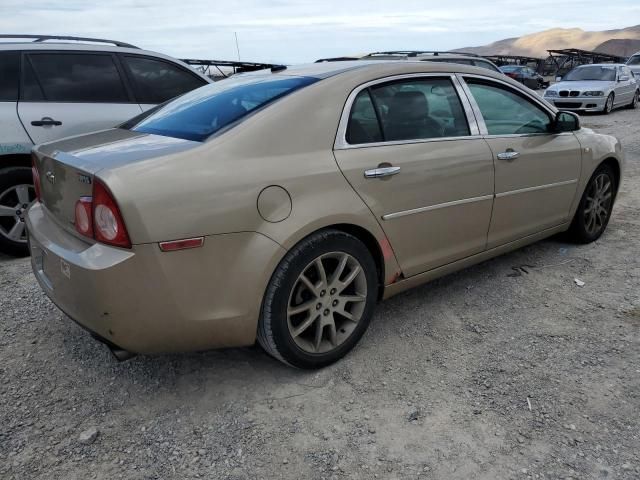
(67, 167)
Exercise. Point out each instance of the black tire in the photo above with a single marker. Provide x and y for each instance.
(634, 102)
(608, 105)
(579, 231)
(10, 178)
(273, 329)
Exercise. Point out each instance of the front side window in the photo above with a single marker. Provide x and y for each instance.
(201, 113)
(71, 77)
(9, 76)
(414, 109)
(157, 81)
(506, 112)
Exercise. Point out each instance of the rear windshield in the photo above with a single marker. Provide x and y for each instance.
(200, 113)
(591, 72)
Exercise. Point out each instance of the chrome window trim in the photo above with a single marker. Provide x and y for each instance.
(341, 135)
(537, 187)
(539, 101)
(390, 216)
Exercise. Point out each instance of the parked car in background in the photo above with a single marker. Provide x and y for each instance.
(51, 88)
(283, 204)
(525, 75)
(595, 88)
(634, 64)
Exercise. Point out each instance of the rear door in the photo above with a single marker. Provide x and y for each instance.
(536, 171)
(156, 80)
(68, 93)
(415, 157)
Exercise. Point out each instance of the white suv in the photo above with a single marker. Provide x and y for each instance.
(51, 88)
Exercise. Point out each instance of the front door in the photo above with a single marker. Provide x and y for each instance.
(422, 169)
(536, 171)
(69, 93)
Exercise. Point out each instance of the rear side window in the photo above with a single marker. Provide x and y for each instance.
(71, 77)
(9, 76)
(157, 81)
(363, 126)
(507, 113)
(414, 109)
(201, 113)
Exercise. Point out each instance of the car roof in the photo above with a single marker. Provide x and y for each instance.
(382, 67)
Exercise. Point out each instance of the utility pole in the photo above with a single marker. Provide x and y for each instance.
(237, 47)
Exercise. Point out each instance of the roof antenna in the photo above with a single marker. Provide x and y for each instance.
(237, 47)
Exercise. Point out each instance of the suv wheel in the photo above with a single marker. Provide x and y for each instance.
(319, 301)
(16, 196)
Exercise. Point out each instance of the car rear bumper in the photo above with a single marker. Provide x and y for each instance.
(585, 104)
(144, 300)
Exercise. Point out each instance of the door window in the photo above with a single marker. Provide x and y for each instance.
(407, 110)
(73, 77)
(506, 112)
(157, 81)
(9, 76)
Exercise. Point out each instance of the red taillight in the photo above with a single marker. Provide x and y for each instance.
(99, 217)
(84, 216)
(108, 225)
(36, 177)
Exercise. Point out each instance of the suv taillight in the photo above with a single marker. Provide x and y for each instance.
(99, 217)
(36, 177)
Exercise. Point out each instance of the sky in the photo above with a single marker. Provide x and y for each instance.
(288, 31)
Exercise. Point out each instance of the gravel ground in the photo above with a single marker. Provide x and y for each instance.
(505, 370)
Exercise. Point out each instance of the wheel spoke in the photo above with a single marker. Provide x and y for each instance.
(23, 194)
(343, 313)
(303, 307)
(339, 269)
(352, 298)
(333, 334)
(7, 211)
(16, 232)
(310, 286)
(350, 278)
(321, 272)
(318, 336)
(304, 325)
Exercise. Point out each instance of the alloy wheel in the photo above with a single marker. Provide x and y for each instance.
(326, 303)
(609, 105)
(14, 203)
(598, 204)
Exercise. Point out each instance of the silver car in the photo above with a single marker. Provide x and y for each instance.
(595, 88)
(634, 64)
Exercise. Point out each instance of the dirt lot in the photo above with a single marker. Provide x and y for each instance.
(492, 373)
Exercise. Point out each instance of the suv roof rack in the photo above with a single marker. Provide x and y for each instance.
(44, 38)
(238, 67)
(415, 53)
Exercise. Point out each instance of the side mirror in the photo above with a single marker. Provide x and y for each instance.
(566, 122)
(558, 79)
(623, 78)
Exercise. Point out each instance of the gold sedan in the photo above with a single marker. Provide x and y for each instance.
(282, 205)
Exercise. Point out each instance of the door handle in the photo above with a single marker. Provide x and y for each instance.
(46, 122)
(509, 155)
(381, 171)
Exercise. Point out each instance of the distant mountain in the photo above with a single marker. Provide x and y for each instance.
(537, 44)
(624, 47)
